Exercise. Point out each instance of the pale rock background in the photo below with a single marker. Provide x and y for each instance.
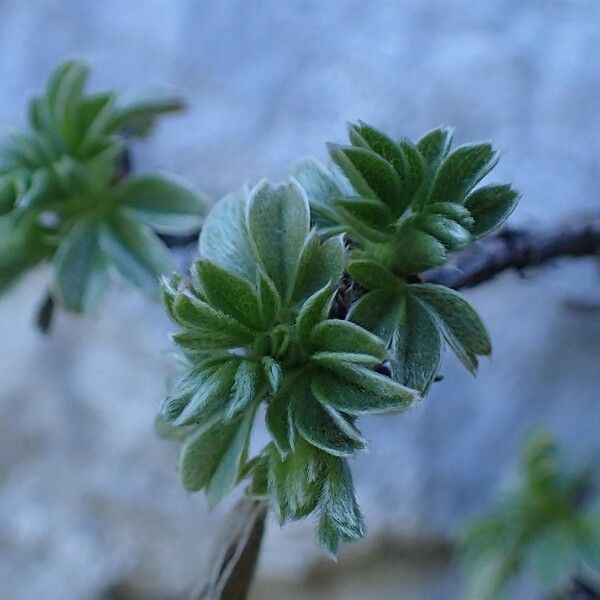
(90, 503)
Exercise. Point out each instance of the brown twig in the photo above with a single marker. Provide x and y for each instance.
(518, 250)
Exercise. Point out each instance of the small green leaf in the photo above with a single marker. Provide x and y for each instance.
(461, 325)
(378, 312)
(415, 170)
(202, 318)
(372, 275)
(321, 187)
(417, 346)
(368, 137)
(341, 519)
(453, 235)
(319, 264)
(269, 299)
(224, 239)
(245, 388)
(273, 373)
(334, 335)
(202, 452)
(214, 386)
(368, 211)
(417, 250)
(228, 471)
(80, 268)
(490, 206)
(435, 145)
(315, 310)
(356, 390)
(165, 203)
(278, 221)
(318, 428)
(372, 176)
(230, 294)
(279, 423)
(327, 358)
(456, 212)
(462, 170)
(137, 254)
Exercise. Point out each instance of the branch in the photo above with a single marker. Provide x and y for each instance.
(236, 553)
(517, 249)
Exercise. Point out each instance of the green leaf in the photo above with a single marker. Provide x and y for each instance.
(415, 170)
(319, 265)
(372, 275)
(462, 170)
(417, 250)
(273, 373)
(356, 390)
(136, 253)
(224, 239)
(461, 325)
(178, 397)
(456, 212)
(294, 481)
(341, 519)
(371, 175)
(228, 472)
(327, 358)
(214, 386)
(165, 203)
(80, 268)
(321, 187)
(270, 302)
(279, 423)
(314, 310)
(435, 145)
(278, 221)
(417, 346)
(490, 206)
(203, 451)
(93, 114)
(369, 213)
(317, 427)
(368, 137)
(245, 388)
(378, 312)
(137, 116)
(334, 335)
(453, 235)
(230, 294)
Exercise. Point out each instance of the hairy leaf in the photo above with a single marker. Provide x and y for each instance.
(278, 221)
(490, 206)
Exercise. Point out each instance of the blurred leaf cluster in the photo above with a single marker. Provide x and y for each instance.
(260, 320)
(547, 526)
(66, 198)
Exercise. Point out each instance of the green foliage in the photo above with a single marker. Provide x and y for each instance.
(255, 327)
(545, 526)
(64, 197)
(406, 206)
(258, 317)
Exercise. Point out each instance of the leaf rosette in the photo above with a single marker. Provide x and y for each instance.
(405, 207)
(256, 327)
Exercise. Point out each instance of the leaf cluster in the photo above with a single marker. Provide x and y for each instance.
(405, 206)
(64, 197)
(257, 325)
(546, 525)
(255, 328)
